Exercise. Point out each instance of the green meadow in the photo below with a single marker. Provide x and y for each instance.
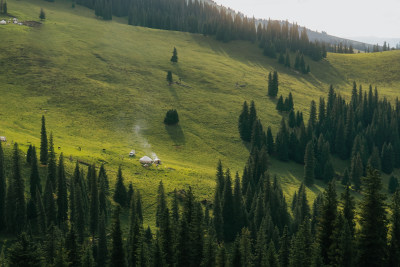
(102, 87)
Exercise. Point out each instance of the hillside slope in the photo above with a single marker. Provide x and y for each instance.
(101, 86)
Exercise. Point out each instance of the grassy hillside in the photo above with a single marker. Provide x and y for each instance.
(102, 87)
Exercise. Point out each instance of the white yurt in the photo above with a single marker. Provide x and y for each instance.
(157, 160)
(145, 160)
(3, 22)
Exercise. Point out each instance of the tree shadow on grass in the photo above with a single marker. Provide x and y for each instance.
(176, 134)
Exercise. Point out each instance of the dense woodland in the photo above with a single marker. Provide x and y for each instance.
(62, 220)
(364, 130)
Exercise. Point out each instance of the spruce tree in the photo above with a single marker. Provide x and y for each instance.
(3, 190)
(356, 171)
(42, 14)
(43, 143)
(270, 141)
(120, 190)
(15, 199)
(161, 203)
(94, 203)
(169, 77)
(327, 221)
(349, 209)
(52, 164)
(72, 248)
(117, 252)
(29, 154)
(284, 250)
(228, 209)
(174, 57)
(62, 194)
(372, 239)
(309, 167)
(102, 250)
(34, 181)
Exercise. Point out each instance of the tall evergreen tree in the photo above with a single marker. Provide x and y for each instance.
(174, 57)
(117, 252)
(161, 203)
(94, 203)
(120, 190)
(349, 209)
(34, 181)
(62, 194)
(52, 164)
(228, 209)
(102, 250)
(372, 239)
(15, 199)
(43, 143)
(327, 221)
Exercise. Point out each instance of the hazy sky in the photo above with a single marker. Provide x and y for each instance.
(344, 18)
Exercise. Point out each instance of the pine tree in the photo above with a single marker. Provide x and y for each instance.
(52, 164)
(169, 77)
(327, 221)
(183, 245)
(102, 250)
(356, 171)
(228, 209)
(15, 199)
(29, 154)
(62, 194)
(174, 57)
(284, 248)
(282, 142)
(270, 141)
(43, 143)
(349, 209)
(94, 203)
(3, 190)
(309, 167)
(117, 252)
(34, 181)
(372, 238)
(161, 203)
(120, 190)
(73, 249)
(374, 160)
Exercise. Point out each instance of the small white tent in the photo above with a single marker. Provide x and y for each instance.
(145, 160)
(157, 160)
(3, 22)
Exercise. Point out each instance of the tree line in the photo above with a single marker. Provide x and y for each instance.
(364, 130)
